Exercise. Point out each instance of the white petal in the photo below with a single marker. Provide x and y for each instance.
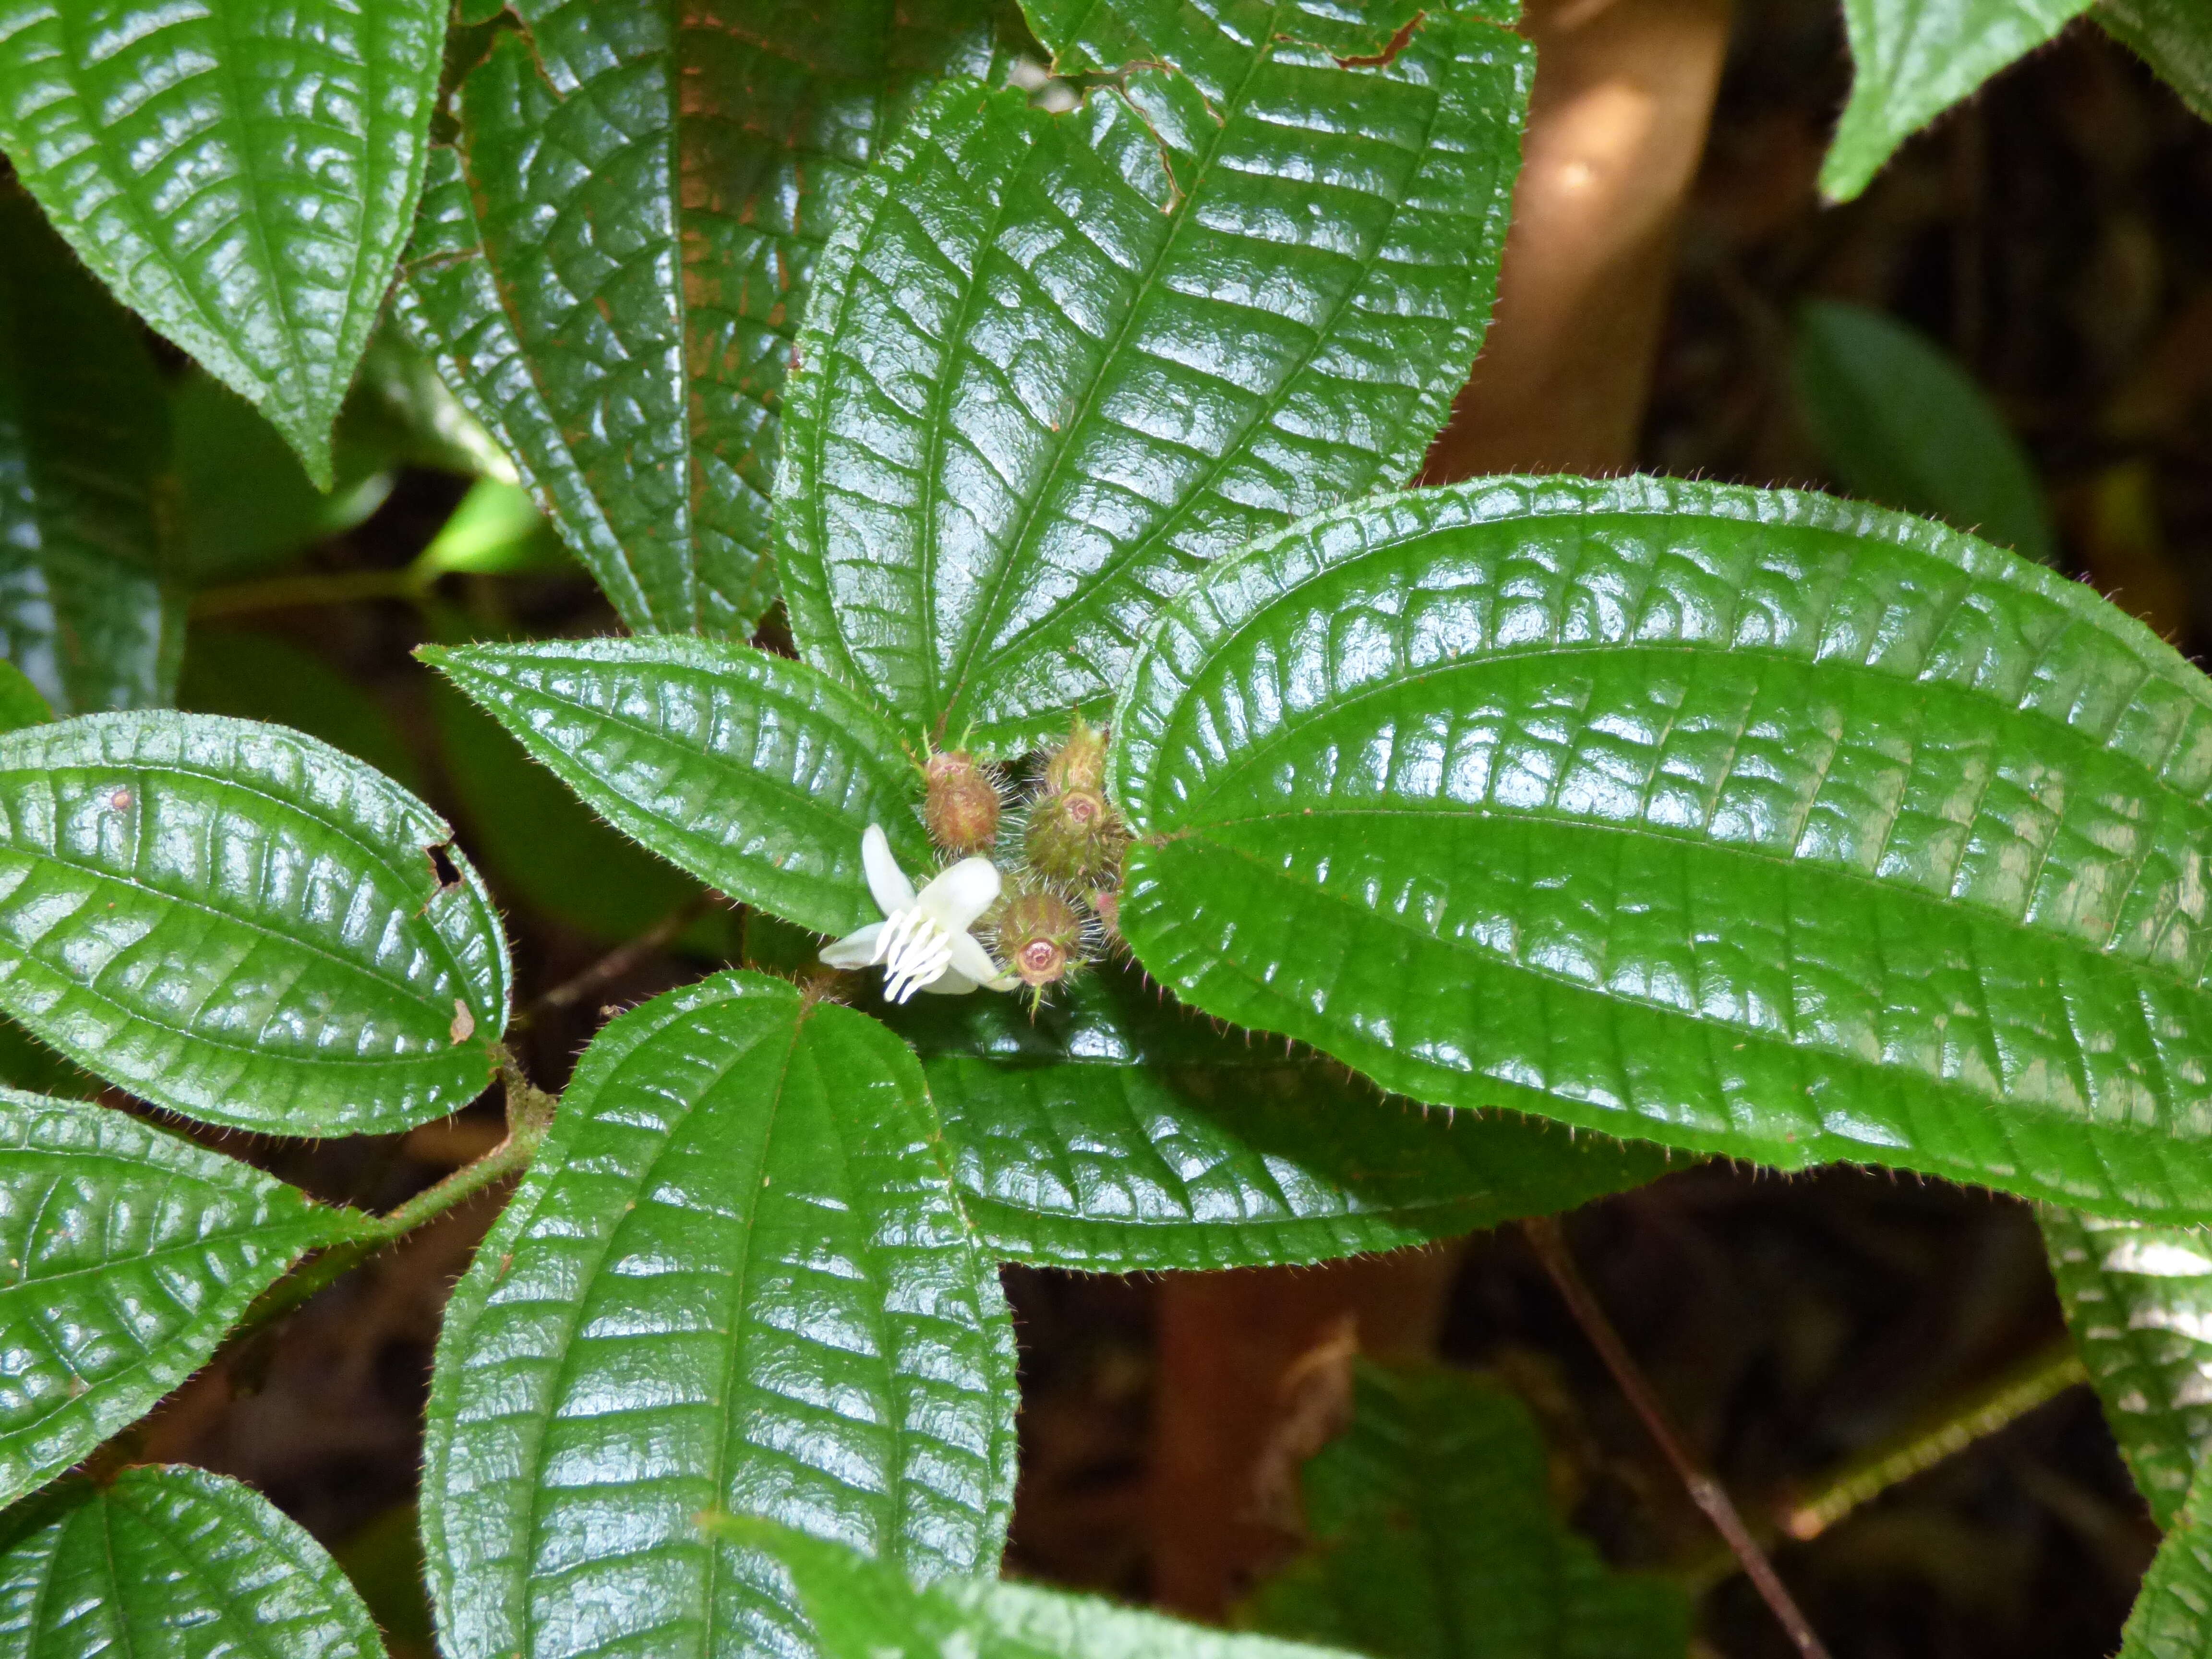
(951, 983)
(971, 962)
(855, 950)
(893, 891)
(961, 894)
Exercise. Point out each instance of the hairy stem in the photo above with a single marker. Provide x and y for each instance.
(1705, 1491)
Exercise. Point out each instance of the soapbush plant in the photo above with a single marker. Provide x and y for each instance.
(1060, 373)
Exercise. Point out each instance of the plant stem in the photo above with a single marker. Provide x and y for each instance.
(1706, 1493)
(624, 958)
(2012, 1396)
(276, 593)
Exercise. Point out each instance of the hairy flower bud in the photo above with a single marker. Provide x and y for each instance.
(1106, 905)
(1040, 936)
(1074, 836)
(962, 805)
(1079, 763)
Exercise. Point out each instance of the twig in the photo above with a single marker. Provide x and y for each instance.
(278, 592)
(1706, 1493)
(624, 958)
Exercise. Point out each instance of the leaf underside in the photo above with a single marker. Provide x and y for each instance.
(84, 611)
(613, 261)
(1057, 363)
(171, 1562)
(736, 1279)
(241, 173)
(1746, 823)
(243, 924)
(1117, 1134)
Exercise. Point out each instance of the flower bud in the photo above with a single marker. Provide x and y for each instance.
(962, 805)
(1106, 905)
(1040, 936)
(1074, 836)
(1079, 763)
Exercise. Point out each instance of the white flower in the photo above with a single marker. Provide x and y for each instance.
(923, 940)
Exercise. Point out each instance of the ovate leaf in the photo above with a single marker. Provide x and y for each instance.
(756, 773)
(1434, 1538)
(1114, 1132)
(125, 1253)
(1902, 423)
(864, 1609)
(243, 924)
(736, 1279)
(2172, 1615)
(2138, 1299)
(1748, 823)
(2174, 37)
(171, 1563)
(1913, 59)
(1059, 362)
(85, 436)
(612, 263)
(241, 173)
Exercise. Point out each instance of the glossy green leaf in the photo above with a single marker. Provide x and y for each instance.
(243, 924)
(263, 676)
(1057, 363)
(1913, 59)
(241, 173)
(860, 1608)
(756, 773)
(400, 406)
(84, 437)
(2172, 1615)
(1115, 1133)
(1902, 423)
(21, 703)
(125, 1253)
(2138, 1299)
(736, 1279)
(1434, 1538)
(2174, 37)
(1747, 822)
(611, 263)
(171, 1563)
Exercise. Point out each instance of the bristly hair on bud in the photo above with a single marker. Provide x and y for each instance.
(1079, 763)
(960, 805)
(1073, 836)
(1041, 935)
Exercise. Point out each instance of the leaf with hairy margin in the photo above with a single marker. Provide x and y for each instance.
(171, 1562)
(125, 1254)
(1114, 1132)
(754, 772)
(239, 923)
(613, 261)
(242, 172)
(737, 1278)
(2138, 1299)
(1057, 363)
(2172, 1615)
(85, 610)
(2174, 37)
(1744, 822)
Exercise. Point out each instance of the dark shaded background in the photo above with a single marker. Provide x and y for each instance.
(2055, 235)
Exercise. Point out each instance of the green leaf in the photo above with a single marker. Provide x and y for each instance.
(171, 1563)
(1434, 1538)
(84, 437)
(1901, 422)
(756, 773)
(2174, 37)
(1115, 1133)
(126, 1254)
(496, 531)
(29, 1065)
(860, 1608)
(736, 1279)
(2138, 1299)
(2173, 1615)
(20, 702)
(611, 267)
(243, 924)
(1743, 822)
(1057, 363)
(262, 677)
(241, 173)
(1913, 59)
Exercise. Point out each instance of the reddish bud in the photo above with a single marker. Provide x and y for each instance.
(962, 805)
(1040, 936)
